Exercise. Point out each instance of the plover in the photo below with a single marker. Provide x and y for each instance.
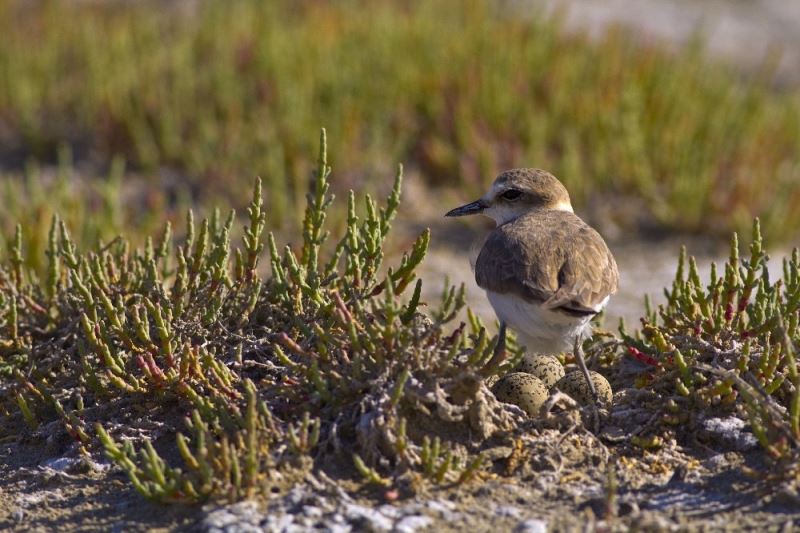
(545, 271)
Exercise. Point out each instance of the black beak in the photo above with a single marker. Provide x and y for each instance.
(470, 209)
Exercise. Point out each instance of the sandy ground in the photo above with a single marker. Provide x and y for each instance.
(741, 32)
(696, 483)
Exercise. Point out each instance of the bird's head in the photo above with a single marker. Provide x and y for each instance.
(515, 192)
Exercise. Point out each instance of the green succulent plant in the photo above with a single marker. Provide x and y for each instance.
(728, 345)
(327, 353)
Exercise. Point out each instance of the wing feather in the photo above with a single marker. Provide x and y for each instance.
(550, 257)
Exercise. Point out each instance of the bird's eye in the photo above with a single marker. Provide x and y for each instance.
(512, 194)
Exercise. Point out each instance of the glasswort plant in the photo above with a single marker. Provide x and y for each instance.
(327, 355)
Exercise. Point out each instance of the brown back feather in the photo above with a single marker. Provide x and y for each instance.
(550, 257)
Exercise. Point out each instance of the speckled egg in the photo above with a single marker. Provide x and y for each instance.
(574, 384)
(523, 390)
(545, 367)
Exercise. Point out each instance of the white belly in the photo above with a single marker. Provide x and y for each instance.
(540, 330)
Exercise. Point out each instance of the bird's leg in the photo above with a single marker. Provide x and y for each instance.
(500, 349)
(500, 352)
(585, 370)
(582, 365)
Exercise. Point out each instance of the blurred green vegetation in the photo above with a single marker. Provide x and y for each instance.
(212, 94)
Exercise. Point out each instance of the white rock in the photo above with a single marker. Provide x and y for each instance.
(443, 508)
(389, 511)
(533, 525)
(242, 517)
(312, 511)
(373, 519)
(413, 523)
(508, 510)
(278, 523)
(61, 464)
(731, 431)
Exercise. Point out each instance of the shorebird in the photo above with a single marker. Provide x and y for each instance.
(545, 271)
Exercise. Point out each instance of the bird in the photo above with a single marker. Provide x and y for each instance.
(545, 271)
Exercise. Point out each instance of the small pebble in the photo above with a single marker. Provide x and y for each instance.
(61, 464)
(367, 518)
(531, 526)
(243, 516)
(509, 511)
(312, 511)
(731, 432)
(410, 524)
